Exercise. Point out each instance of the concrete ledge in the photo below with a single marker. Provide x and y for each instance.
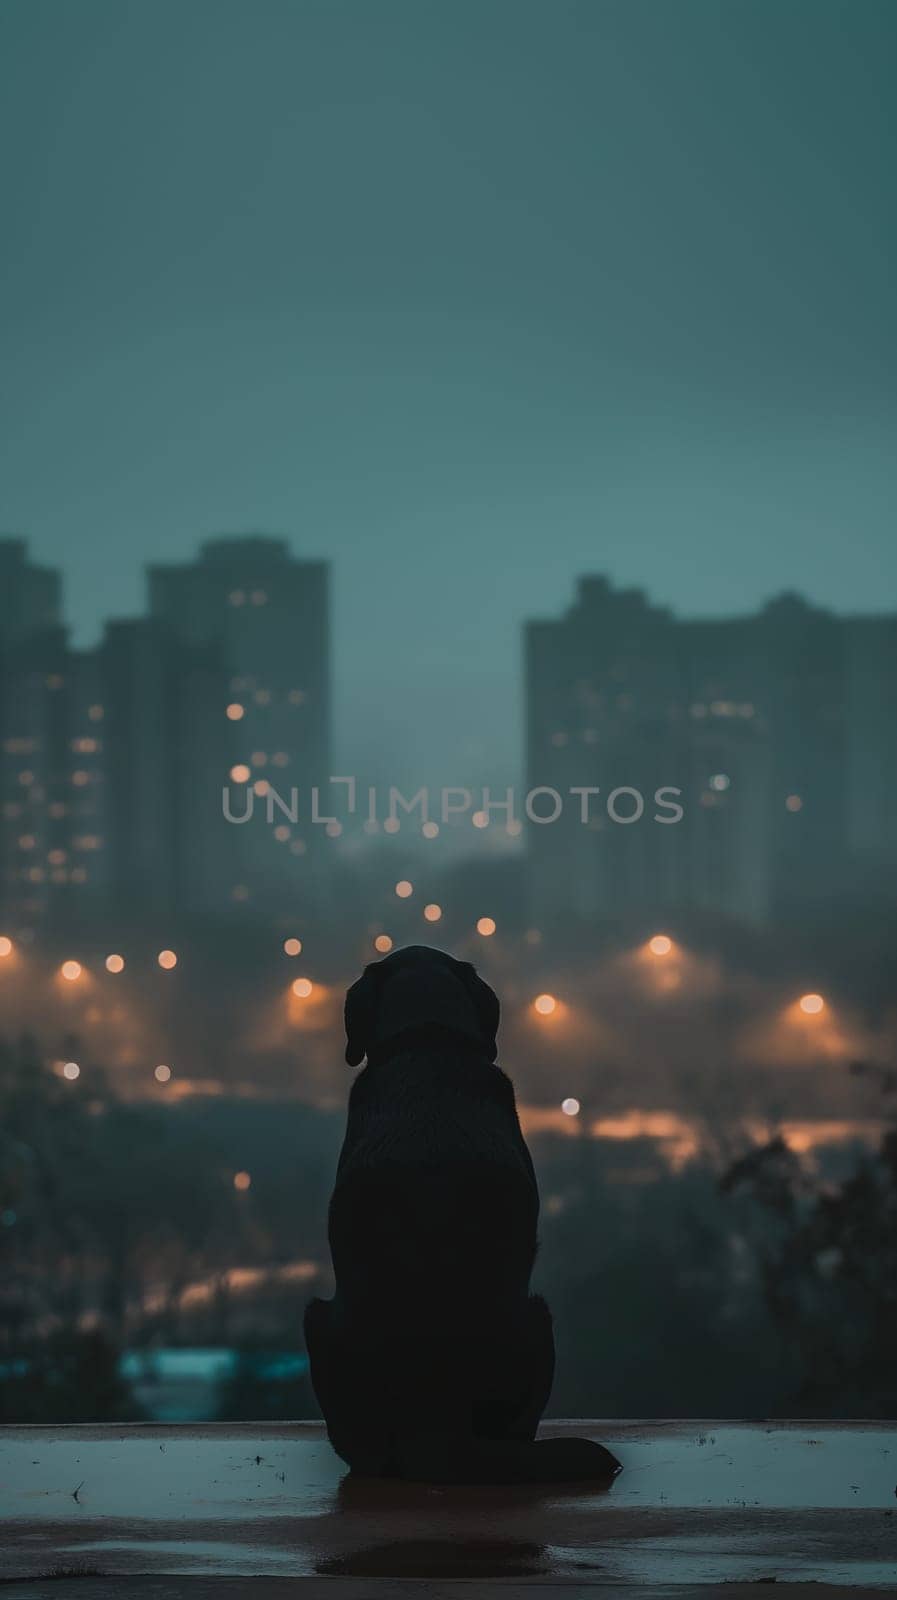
(165, 1512)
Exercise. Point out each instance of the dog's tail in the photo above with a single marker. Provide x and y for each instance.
(434, 1459)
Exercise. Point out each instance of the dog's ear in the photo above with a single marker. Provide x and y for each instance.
(361, 1006)
(486, 1006)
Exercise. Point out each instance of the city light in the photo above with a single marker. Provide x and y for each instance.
(660, 945)
(570, 1107)
(242, 1181)
(811, 1004)
(292, 947)
(404, 888)
(71, 970)
(302, 988)
(167, 959)
(544, 1004)
(115, 963)
(486, 927)
(240, 773)
(383, 943)
(162, 1074)
(235, 712)
(71, 1070)
(433, 912)
(6, 946)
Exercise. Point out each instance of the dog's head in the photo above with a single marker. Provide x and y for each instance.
(419, 987)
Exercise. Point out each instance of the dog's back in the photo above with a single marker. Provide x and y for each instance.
(435, 1209)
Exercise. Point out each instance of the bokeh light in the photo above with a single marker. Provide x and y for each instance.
(71, 1070)
(242, 1181)
(404, 888)
(162, 1073)
(5, 946)
(167, 959)
(115, 963)
(430, 830)
(302, 988)
(660, 945)
(71, 970)
(433, 912)
(486, 927)
(292, 947)
(383, 943)
(811, 1004)
(235, 711)
(544, 1004)
(570, 1107)
(240, 773)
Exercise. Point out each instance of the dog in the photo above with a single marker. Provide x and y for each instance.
(433, 1362)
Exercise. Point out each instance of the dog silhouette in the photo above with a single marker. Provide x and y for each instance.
(433, 1361)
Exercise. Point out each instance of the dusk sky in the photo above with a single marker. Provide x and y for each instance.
(468, 297)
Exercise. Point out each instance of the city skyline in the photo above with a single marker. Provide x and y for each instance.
(466, 299)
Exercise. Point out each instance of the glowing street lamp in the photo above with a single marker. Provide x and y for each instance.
(811, 1004)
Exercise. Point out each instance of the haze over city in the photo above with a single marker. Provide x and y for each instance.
(467, 299)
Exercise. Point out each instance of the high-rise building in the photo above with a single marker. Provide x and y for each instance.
(52, 792)
(777, 727)
(253, 714)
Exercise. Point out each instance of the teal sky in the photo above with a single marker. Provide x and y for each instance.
(467, 296)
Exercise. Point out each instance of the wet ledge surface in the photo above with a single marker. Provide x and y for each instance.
(168, 1511)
